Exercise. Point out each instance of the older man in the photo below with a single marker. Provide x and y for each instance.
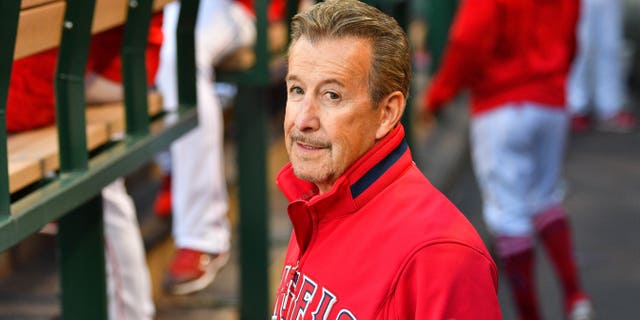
(372, 239)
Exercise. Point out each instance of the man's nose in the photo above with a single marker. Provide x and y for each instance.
(307, 118)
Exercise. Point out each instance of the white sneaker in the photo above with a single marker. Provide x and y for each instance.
(582, 310)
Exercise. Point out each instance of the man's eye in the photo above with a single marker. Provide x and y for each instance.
(333, 96)
(296, 90)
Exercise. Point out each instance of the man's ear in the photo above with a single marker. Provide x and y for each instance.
(390, 111)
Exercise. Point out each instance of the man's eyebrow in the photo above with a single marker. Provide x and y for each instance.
(332, 81)
(292, 77)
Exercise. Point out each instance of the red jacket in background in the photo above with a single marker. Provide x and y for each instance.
(31, 102)
(507, 51)
(383, 243)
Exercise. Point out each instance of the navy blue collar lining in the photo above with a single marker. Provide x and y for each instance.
(370, 177)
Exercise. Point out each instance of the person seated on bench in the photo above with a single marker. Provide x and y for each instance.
(30, 105)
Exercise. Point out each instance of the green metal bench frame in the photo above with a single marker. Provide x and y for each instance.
(72, 197)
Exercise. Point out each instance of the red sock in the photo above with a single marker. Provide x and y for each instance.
(519, 270)
(162, 204)
(553, 228)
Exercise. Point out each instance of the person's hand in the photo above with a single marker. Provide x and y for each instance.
(423, 115)
(427, 117)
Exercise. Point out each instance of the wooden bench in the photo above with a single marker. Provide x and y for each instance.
(53, 179)
(33, 154)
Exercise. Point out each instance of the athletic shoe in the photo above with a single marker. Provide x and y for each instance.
(162, 204)
(621, 122)
(582, 310)
(193, 270)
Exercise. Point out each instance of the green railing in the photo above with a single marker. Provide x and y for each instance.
(72, 196)
(251, 141)
(439, 15)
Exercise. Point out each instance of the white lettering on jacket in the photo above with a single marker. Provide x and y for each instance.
(297, 295)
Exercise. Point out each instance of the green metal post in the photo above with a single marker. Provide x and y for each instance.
(134, 73)
(261, 68)
(253, 199)
(292, 10)
(399, 10)
(253, 225)
(82, 265)
(253, 192)
(439, 15)
(69, 85)
(186, 53)
(81, 241)
(9, 11)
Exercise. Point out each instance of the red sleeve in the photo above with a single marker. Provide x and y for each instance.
(447, 281)
(471, 39)
(30, 100)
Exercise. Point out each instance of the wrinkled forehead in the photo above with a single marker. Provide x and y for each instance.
(343, 55)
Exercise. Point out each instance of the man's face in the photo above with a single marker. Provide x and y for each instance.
(330, 121)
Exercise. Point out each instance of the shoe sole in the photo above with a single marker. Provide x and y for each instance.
(202, 282)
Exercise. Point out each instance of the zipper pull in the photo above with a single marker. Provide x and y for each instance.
(293, 279)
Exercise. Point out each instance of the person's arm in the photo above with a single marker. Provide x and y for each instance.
(447, 281)
(471, 39)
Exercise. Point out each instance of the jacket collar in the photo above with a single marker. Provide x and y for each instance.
(364, 179)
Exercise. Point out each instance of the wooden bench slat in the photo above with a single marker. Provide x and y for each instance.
(23, 173)
(25, 4)
(39, 27)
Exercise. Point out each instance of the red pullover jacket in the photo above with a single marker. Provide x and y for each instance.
(383, 243)
(507, 51)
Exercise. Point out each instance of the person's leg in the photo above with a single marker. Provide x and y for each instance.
(199, 195)
(550, 220)
(198, 181)
(553, 228)
(128, 280)
(500, 143)
(579, 80)
(166, 77)
(610, 85)
(608, 78)
(517, 256)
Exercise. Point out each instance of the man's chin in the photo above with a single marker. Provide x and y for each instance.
(309, 175)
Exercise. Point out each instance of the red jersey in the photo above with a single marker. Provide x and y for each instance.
(383, 243)
(507, 51)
